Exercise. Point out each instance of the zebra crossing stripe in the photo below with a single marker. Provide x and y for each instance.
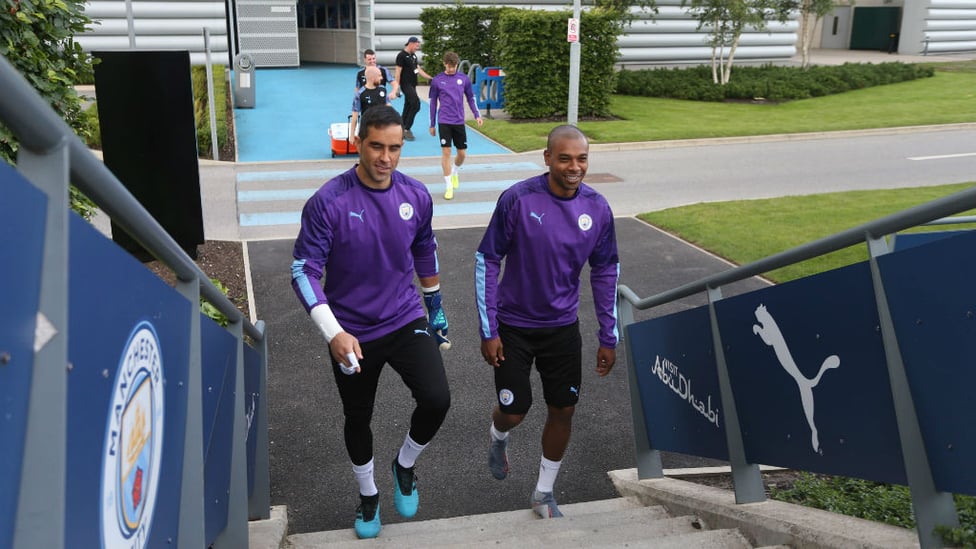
(413, 171)
(294, 218)
(270, 195)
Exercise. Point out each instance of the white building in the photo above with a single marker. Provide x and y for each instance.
(287, 32)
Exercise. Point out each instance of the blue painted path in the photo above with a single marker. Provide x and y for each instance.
(294, 108)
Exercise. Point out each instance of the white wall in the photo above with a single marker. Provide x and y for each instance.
(166, 25)
(669, 38)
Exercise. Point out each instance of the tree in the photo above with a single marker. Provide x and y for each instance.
(37, 38)
(725, 20)
(811, 12)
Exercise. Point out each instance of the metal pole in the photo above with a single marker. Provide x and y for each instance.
(931, 506)
(746, 478)
(210, 97)
(43, 481)
(130, 24)
(572, 111)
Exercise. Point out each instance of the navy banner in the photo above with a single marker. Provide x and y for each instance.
(932, 298)
(219, 372)
(128, 347)
(22, 223)
(809, 376)
(252, 380)
(674, 360)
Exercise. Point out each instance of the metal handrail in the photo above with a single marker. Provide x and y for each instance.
(55, 156)
(932, 213)
(931, 506)
(40, 130)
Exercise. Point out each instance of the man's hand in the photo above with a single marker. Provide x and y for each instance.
(345, 350)
(433, 132)
(492, 351)
(605, 359)
(480, 121)
(436, 317)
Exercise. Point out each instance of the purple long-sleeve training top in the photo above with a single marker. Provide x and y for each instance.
(450, 90)
(367, 244)
(544, 241)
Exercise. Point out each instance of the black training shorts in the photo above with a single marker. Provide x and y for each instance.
(558, 356)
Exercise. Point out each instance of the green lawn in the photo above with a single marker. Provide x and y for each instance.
(948, 97)
(732, 229)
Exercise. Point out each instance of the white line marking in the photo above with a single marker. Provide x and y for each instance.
(941, 156)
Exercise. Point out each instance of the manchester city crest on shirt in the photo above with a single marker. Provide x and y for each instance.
(406, 211)
(585, 222)
(133, 449)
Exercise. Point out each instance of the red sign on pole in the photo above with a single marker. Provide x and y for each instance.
(572, 34)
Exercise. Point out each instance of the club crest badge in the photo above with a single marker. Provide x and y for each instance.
(506, 397)
(585, 222)
(133, 449)
(406, 211)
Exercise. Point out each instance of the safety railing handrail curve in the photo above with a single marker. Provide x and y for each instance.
(39, 129)
(929, 213)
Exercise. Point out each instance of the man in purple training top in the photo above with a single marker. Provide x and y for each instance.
(545, 228)
(450, 89)
(367, 231)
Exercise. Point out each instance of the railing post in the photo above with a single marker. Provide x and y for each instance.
(259, 505)
(746, 478)
(192, 531)
(648, 459)
(234, 535)
(932, 507)
(41, 498)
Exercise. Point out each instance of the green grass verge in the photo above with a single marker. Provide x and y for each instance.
(948, 97)
(779, 224)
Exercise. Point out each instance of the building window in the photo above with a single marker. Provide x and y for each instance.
(326, 14)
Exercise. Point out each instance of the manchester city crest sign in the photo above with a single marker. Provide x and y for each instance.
(133, 449)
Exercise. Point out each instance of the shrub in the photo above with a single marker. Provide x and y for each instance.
(880, 502)
(767, 82)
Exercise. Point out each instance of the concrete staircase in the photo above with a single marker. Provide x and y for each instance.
(607, 523)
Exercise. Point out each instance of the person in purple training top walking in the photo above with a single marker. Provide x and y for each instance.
(545, 228)
(367, 217)
(448, 91)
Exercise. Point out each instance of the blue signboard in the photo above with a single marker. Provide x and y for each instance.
(931, 292)
(219, 372)
(674, 360)
(128, 346)
(252, 399)
(22, 221)
(808, 372)
(902, 241)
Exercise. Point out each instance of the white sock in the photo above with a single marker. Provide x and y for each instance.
(496, 434)
(547, 474)
(447, 180)
(364, 476)
(409, 452)
(454, 169)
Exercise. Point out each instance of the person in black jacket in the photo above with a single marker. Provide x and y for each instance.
(407, 69)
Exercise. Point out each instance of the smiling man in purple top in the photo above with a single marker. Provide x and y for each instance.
(367, 231)
(545, 228)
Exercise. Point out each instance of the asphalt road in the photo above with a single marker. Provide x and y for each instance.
(310, 472)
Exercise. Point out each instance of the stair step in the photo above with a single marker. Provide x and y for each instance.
(580, 514)
(562, 534)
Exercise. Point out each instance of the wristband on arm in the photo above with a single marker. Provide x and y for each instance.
(325, 319)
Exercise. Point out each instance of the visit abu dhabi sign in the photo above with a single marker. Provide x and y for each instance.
(807, 373)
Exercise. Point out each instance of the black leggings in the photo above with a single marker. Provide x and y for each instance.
(411, 104)
(413, 353)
